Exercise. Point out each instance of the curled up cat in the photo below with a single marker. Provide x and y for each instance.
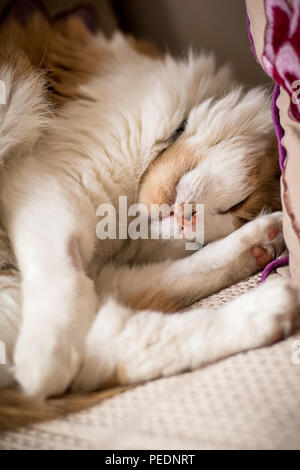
(88, 120)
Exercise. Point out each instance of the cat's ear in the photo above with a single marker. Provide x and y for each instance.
(22, 11)
(85, 14)
(73, 28)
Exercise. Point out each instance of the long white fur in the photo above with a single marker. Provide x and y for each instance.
(92, 152)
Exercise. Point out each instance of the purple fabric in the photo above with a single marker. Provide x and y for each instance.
(281, 56)
(279, 59)
(277, 126)
(277, 263)
(282, 155)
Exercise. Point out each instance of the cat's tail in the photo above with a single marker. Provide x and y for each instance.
(24, 111)
(18, 410)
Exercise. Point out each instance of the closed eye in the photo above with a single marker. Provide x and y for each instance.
(235, 207)
(178, 132)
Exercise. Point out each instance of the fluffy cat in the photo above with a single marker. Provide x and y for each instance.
(90, 119)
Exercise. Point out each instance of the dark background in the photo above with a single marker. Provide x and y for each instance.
(215, 25)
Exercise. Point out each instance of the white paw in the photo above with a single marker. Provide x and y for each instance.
(267, 314)
(265, 231)
(260, 241)
(50, 346)
(276, 311)
(46, 362)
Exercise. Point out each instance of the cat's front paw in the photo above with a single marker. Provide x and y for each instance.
(266, 232)
(260, 241)
(50, 346)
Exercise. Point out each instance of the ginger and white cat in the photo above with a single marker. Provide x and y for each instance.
(87, 312)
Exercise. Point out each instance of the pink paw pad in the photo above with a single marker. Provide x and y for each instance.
(273, 232)
(261, 255)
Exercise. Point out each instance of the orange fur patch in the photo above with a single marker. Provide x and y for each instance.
(65, 52)
(158, 299)
(160, 179)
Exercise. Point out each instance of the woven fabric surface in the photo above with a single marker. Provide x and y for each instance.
(248, 401)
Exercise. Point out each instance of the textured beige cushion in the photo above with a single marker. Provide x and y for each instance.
(248, 401)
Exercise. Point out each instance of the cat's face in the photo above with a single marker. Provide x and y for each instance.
(222, 157)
